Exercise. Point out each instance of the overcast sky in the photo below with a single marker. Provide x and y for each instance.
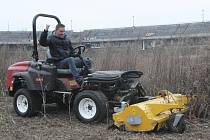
(97, 14)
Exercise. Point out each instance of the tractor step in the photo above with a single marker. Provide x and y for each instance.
(63, 92)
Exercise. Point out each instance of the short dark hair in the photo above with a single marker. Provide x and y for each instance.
(59, 25)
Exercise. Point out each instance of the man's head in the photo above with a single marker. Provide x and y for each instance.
(60, 30)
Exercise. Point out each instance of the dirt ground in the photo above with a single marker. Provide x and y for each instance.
(58, 124)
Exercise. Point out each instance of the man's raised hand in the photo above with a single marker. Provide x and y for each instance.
(47, 27)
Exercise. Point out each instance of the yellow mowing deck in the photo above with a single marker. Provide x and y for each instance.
(151, 114)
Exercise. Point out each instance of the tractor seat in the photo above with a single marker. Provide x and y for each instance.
(112, 76)
(63, 71)
(104, 76)
(59, 71)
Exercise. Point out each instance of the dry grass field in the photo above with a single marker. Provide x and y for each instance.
(57, 125)
(183, 69)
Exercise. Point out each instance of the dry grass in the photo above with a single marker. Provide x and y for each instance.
(176, 68)
(179, 69)
(56, 126)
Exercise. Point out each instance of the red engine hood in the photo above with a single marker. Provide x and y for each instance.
(17, 67)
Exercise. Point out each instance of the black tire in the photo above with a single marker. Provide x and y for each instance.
(98, 98)
(180, 128)
(33, 102)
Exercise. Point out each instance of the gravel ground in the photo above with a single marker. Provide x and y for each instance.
(59, 125)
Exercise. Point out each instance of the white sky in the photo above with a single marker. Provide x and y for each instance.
(96, 14)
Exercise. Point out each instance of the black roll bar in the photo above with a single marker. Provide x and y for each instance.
(35, 52)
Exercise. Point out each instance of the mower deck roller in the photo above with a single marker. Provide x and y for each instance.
(154, 114)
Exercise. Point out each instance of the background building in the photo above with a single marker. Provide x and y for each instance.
(196, 34)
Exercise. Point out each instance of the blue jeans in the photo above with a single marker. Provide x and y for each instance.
(72, 64)
(86, 60)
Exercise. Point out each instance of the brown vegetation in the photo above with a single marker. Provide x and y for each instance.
(182, 69)
(176, 68)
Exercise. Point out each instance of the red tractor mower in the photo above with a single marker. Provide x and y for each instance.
(35, 82)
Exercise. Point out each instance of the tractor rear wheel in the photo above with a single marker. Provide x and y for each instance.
(26, 104)
(90, 106)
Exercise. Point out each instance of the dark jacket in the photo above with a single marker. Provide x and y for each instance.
(60, 48)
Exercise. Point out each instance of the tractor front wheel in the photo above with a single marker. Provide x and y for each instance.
(90, 106)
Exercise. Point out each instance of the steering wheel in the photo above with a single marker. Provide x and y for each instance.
(79, 50)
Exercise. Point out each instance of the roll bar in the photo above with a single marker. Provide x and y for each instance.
(35, 52)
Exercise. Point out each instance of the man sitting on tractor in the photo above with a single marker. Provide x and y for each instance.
(61, 50)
